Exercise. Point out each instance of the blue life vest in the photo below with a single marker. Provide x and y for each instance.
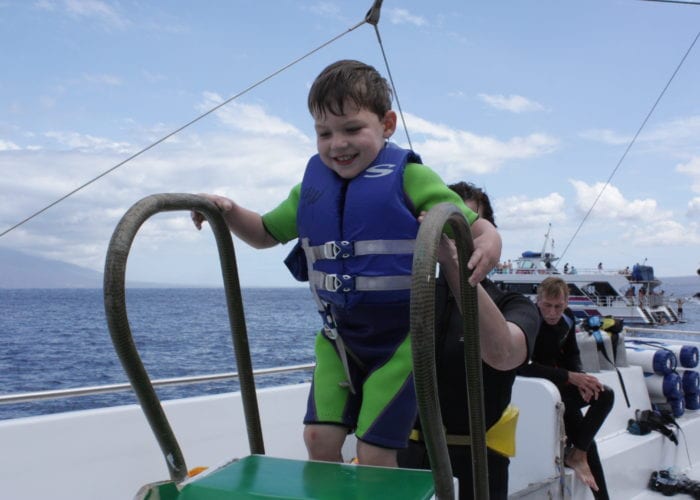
(358, 235)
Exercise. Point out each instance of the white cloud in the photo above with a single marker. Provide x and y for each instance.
(325, 9)
(255, 158)
(85, 9)
(692, 169)
(694, 208)
(663, 233)
(103, 79)
(402, 16)
(75, 140)
(612, 204)
(669, 136)
(455, 152)
(674, 131)
(250, 118)
(636, 222)
(513, 103)
(605, 136)
(518, 212)
(8, 146)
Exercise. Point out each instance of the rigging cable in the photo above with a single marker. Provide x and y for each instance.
(685, 2)
(373, 19)
(372, 15)
(634, 139)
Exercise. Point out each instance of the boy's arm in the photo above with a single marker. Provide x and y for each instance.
(244, 223)
(426, 189)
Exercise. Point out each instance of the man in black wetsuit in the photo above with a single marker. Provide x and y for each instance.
(556, 357)
(508, 324)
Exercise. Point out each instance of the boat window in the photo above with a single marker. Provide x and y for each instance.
(524, 288)
(603, 288)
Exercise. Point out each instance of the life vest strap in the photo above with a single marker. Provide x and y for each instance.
(345, 283)
(345, 249)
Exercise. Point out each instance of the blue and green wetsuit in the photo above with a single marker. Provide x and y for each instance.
(358, 237)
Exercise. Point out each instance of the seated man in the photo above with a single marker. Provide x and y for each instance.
(556, 357)
(508, 323)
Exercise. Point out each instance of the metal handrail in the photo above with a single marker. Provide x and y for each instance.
(25, 397)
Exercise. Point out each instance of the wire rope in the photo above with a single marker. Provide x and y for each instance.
(367, 19)
(632, 142)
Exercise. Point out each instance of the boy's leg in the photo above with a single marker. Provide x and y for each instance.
(369, 454)
(388, 409)
(323, 442)
(331, 410)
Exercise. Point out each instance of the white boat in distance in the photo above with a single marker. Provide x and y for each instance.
(631, 295)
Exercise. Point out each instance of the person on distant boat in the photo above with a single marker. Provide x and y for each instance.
(355, 216)
(508, 324)
(679, 306)
(566, 268)
(642, 295)
(556, 357)
(600, 266)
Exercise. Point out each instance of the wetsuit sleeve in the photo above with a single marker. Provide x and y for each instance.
(425, 189)
(281, 222)
(558, 376)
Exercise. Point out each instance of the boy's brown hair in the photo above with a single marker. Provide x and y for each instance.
(348, 80)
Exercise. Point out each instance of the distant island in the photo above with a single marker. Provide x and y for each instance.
(21, 270)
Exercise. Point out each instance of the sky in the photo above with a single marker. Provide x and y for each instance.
(536, 101)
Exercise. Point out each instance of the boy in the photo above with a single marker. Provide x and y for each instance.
(355, 214)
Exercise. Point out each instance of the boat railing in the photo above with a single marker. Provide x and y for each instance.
(655, 300)
(26, 397)
(555, 270)
(610, 300)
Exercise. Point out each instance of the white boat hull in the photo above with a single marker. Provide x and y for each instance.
(110, 453)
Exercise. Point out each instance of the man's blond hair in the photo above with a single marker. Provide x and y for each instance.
(553, 287)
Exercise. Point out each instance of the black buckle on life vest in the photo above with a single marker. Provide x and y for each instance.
(338, 282)
(338, 249)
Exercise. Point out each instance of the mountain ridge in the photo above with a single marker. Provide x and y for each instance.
(22, 270)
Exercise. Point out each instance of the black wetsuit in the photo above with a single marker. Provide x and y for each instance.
(556, 354)
(452, 386)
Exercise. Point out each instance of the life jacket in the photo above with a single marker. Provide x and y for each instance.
(358, 235)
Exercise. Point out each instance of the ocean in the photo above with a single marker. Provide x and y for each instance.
(58, 339)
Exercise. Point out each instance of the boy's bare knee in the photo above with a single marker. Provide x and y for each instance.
(324, 442)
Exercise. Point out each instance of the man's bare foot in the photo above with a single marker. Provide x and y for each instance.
(578, 460)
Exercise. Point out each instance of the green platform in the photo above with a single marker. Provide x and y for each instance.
(262, 477)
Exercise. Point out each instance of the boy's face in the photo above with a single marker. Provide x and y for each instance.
(349, 143)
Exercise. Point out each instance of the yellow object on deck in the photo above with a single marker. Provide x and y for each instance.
(500, 437)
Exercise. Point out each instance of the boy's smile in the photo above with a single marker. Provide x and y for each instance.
(349, 143)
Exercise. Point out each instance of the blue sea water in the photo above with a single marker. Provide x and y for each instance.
(58, 339)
